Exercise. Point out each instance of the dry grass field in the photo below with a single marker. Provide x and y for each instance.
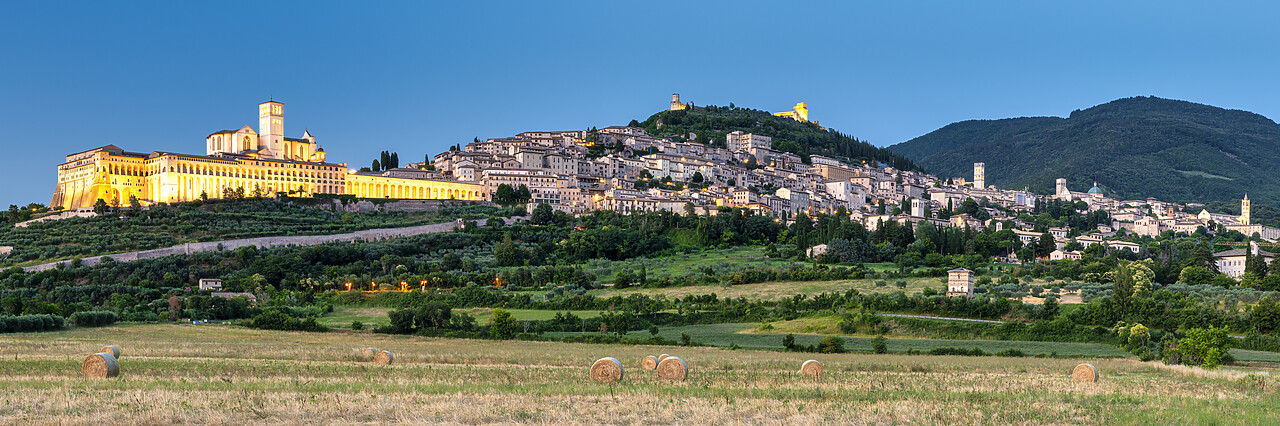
(228, 375)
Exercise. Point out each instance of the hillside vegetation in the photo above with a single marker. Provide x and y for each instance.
(1133, 148)
(168, 225)
(711, 123)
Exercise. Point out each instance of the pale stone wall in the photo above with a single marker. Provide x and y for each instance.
(59, 216)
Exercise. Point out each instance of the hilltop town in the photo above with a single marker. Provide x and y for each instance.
(625, 169)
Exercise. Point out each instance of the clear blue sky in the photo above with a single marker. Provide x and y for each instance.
(416, 77)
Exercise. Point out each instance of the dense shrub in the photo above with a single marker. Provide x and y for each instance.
(958, 351)
(30, 323)
(277, 320)
(831, 345)
(94, 318)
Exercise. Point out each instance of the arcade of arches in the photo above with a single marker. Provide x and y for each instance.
(114, 175)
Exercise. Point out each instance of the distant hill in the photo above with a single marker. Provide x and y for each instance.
(1133, 148)
(711, 123)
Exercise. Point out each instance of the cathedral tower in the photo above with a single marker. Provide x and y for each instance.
(1244, 210)
(271, 128)
(979, 175)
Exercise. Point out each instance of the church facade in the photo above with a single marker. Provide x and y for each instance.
(258, 163)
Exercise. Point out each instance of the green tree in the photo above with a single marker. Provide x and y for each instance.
(1265, 316)
(618, 322)
(1045, 245)
(880, 345)
(1255, 264)
(831, 345)
(435, 314)
(377, 166)
(1195, 275)
(542, 215)
(1123, 289)
(523, 195)
(507, 254)
(1205, 346)
(502, 325)
(101, 206)
(504, 196)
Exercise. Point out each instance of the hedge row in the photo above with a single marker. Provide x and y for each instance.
(27, 323)
(94, 318)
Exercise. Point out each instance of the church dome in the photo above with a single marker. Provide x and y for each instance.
(1095, 189)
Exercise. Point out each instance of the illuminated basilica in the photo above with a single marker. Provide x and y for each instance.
(257, 163)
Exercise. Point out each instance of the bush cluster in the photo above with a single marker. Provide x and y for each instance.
(29, 323)
(94, 318)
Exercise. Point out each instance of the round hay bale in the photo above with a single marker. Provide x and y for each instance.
(662, 357)
(1085, 373)
(111, 349)
(383, 357)
(811, 368)
(101, 365)
(369, 352)
(649, 362)
(673, 368)
(606, 370)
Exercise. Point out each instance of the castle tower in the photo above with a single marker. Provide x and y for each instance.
(1062, 191)
(1244, 210)
(271, 128)
(979, 175)
(675, 102)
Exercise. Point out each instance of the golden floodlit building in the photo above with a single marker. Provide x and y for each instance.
(238, 161)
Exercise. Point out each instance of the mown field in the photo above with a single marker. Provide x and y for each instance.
(229, 375)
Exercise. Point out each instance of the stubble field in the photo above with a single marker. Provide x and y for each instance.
(227, 375)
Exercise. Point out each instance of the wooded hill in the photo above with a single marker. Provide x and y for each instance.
(711, 123)
(1133, 148)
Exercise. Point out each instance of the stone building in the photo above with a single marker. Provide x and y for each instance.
(960, 283)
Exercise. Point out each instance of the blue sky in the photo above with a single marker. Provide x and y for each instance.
(416, 77)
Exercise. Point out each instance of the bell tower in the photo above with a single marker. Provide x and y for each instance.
(1244, 210)
(271, 128)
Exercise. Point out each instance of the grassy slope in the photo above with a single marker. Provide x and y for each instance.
(165, 226)
(186, 374)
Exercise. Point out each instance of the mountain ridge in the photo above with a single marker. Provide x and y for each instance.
(1134, 147)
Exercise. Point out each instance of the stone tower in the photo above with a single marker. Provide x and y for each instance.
(1062, 191)
(979, 175)
(675, 102)
(271, 128)
(1244, 210)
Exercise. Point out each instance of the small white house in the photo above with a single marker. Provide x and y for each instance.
(210, 284)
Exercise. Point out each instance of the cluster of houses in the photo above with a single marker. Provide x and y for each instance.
(746, 172)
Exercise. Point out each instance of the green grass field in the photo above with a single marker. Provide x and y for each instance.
(232, 375)
(744, 335)
(342, 316)
(785, 289)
